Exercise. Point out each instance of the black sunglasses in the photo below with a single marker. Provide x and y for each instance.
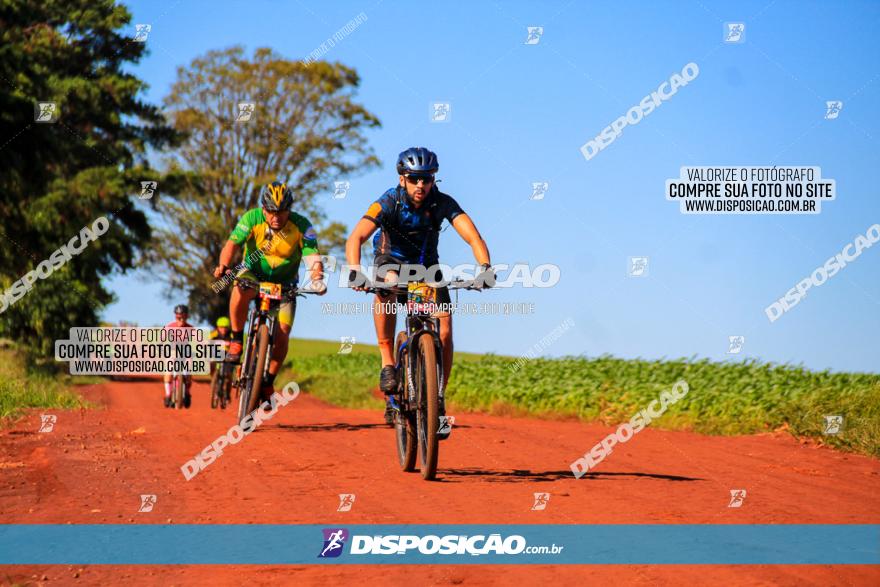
(415, 179)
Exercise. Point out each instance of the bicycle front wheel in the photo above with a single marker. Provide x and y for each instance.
(428, 413)
(262, 346)
(216, 388)
(226, 382)
(178, 392)
(248, 372)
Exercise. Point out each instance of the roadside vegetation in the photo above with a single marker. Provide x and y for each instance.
(724, 398)
(25, 386)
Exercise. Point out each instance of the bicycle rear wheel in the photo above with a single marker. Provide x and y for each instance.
(428, 412)
(404, 422)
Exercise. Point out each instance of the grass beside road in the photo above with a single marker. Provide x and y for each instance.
(23, 387)
(724, 398)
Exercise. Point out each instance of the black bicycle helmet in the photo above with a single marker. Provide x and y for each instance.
(181, 309)
(276, 196)
(417, 160)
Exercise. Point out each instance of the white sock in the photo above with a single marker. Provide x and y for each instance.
(168, 389)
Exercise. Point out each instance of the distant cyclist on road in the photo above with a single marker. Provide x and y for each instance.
(222, 332)
(409, 217)
(275, 240)
(181, 313)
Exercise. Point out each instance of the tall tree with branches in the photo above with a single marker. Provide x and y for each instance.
(56, 178)
(250, 121)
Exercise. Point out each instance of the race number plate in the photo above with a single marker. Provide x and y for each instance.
(270, 290)
(421, 298)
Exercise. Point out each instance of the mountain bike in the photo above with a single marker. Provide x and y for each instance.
(179, 389)
(419, 400)
(221, 383)
(258, 345)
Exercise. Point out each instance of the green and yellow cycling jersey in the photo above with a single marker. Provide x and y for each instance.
(274, 255)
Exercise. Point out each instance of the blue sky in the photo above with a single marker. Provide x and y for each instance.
(520, 114)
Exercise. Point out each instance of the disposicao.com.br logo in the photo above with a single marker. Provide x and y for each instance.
(334, 540)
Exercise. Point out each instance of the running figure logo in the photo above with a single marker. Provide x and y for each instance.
(734, 32)
(441, 112)
(245, 111)
(833, 424)
(541, 501)
(539, 189)
(46, 112)
(147, 189)
(346, 500)
(147, 503)
(334, 540)
(346, 344)
(141, 32)
(47, 422)
(737, 497)
(534, 35)
(735, 344)
(329, 262)
(832, 109)
(445, 426)
(638, 267)
(341, 190)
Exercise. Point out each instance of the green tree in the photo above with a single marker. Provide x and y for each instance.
(57, 178)
(305, 129)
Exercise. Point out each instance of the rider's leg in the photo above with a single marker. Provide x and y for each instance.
(385, 321)
(384, 316)
(280, 345)
(238, 306)
(167, 379)
(446, 342)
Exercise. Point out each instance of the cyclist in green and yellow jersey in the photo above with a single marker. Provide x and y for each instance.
(275, 240)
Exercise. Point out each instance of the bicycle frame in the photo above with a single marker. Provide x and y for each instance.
(417, 326)
(256, 317)
(260, 314)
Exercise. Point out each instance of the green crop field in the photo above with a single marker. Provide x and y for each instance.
(723, 398)
(22, 387)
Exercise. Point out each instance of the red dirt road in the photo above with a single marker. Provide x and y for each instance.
(95, 464)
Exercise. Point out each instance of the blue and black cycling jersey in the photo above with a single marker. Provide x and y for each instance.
(407, 233)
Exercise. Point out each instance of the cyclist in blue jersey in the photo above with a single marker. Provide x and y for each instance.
(408, 218)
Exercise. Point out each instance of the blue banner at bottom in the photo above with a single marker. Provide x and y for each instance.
(154, 544)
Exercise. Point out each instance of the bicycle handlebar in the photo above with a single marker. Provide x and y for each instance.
(286, 290)
(394, 289)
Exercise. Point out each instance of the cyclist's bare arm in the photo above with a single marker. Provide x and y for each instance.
(229, 252)
(363, 230)
(465, 228)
